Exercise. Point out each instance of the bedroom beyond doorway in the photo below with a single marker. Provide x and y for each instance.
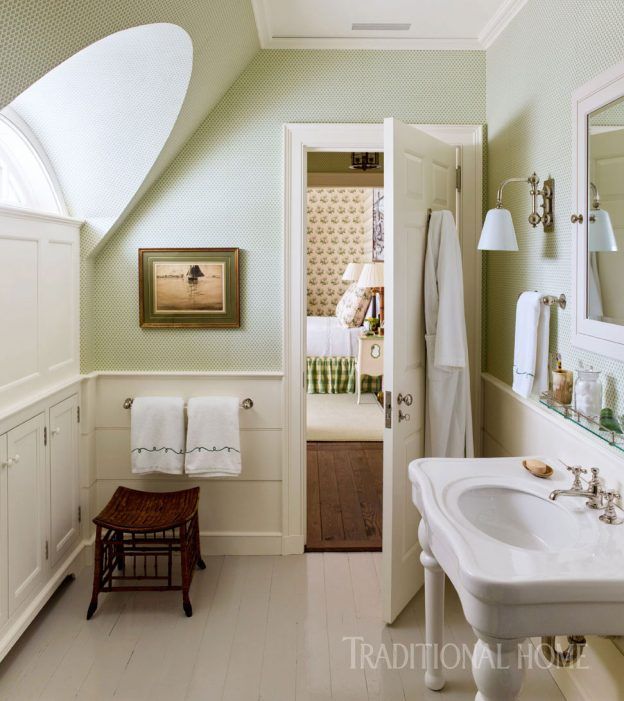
(344, 350)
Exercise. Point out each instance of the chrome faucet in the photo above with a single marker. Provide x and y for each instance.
(593, 493)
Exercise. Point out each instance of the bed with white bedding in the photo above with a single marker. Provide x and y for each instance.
(326, 337)
(331, 354)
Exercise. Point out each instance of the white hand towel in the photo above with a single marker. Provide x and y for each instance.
(213, 438)
(530, 371)
(157, 435)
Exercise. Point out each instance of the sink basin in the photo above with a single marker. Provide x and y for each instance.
(518, 518)
(522, 565)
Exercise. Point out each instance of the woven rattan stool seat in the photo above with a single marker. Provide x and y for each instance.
(132, 511)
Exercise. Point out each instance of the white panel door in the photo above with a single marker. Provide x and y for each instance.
(64, 484)
(26, 510)
(4, 570)
(419, 173)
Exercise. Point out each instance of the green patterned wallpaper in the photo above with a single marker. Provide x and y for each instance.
(225, 189)
(547, 51)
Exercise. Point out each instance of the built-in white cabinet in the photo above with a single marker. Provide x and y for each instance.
(64, 479)
(39, 288)
(26, 509)
(39, 507)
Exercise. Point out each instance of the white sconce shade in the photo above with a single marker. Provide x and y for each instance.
(601, 234)
(353, 272)
(372, 275)
(498, 233)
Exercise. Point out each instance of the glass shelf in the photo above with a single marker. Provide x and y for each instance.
(586, 422)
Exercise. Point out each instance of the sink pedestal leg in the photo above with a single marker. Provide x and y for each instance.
(497, 668)
(434, 612)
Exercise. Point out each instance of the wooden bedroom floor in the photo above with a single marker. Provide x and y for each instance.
(344, 496)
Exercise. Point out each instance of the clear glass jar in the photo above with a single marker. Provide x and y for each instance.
(588, 393)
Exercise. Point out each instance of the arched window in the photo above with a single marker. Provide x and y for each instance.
(25, 181)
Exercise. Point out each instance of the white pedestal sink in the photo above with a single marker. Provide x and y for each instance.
(522, 565)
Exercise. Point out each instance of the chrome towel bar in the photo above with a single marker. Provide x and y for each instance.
(245, 404)
(551, 300)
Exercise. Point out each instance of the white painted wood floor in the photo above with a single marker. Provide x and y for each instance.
(263, 629)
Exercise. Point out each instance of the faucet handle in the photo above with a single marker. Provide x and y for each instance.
(610, 515)
(577, 471)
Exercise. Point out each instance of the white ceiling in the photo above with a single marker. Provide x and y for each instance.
(434, 24)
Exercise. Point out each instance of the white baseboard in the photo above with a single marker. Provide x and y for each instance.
(293, 545)
(226, 543)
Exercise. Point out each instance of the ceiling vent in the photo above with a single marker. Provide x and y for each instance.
(380, 26)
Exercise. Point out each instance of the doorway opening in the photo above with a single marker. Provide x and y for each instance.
(344, 241)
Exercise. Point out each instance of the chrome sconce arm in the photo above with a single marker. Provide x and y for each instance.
(546, 218)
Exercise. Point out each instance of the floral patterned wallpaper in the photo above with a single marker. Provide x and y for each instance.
(339, 232)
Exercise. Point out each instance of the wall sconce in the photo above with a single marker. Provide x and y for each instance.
(498, 233)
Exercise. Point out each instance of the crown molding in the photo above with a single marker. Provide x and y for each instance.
(499, 22)
(495, 26)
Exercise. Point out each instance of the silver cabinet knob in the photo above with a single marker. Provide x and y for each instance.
(576, 218)
(403, 417)
(406, 399)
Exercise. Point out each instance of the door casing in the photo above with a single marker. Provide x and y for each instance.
(299, 139)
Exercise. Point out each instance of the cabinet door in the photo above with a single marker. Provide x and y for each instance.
(64, 478)
(4, 581)
(26, 510)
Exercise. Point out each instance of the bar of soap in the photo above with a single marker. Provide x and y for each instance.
(538, 468)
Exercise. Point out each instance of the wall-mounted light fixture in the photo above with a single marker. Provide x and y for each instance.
(498, 233)
(365, 161)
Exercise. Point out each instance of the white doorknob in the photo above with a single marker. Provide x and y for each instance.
(55, 431)
(16, 458)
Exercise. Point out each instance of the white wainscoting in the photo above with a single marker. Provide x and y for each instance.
(240, 515)
(516, 426)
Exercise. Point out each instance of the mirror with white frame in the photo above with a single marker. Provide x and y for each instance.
(598, 260)
(605, 204)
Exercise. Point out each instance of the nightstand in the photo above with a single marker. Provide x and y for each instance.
(369, 360)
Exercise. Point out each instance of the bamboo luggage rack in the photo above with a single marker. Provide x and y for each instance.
(137, 529)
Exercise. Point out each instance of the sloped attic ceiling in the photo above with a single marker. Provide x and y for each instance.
(37, 35)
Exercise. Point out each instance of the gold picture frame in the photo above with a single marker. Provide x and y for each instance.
(189, 288)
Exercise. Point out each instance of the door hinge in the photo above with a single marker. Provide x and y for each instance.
(45, 435)
(47, 550)
(458, 178)
(78, 414)
(79, 514)
(388, 409)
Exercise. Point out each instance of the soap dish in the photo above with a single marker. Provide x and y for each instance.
(538, 468)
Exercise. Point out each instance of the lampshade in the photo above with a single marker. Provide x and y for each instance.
(352, 273)
(601, 234)
(372, 275)
(498, 233)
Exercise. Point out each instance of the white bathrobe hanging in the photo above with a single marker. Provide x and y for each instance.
(449, 415)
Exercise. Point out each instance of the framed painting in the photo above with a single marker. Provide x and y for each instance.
(192, 288)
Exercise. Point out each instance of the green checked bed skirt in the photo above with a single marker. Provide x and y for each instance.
(336, 375)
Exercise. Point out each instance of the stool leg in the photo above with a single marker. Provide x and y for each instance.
(186, 575)
(200, 562)
(119, 551)
(97, 572)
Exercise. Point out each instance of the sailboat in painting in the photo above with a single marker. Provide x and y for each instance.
(194, 273)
